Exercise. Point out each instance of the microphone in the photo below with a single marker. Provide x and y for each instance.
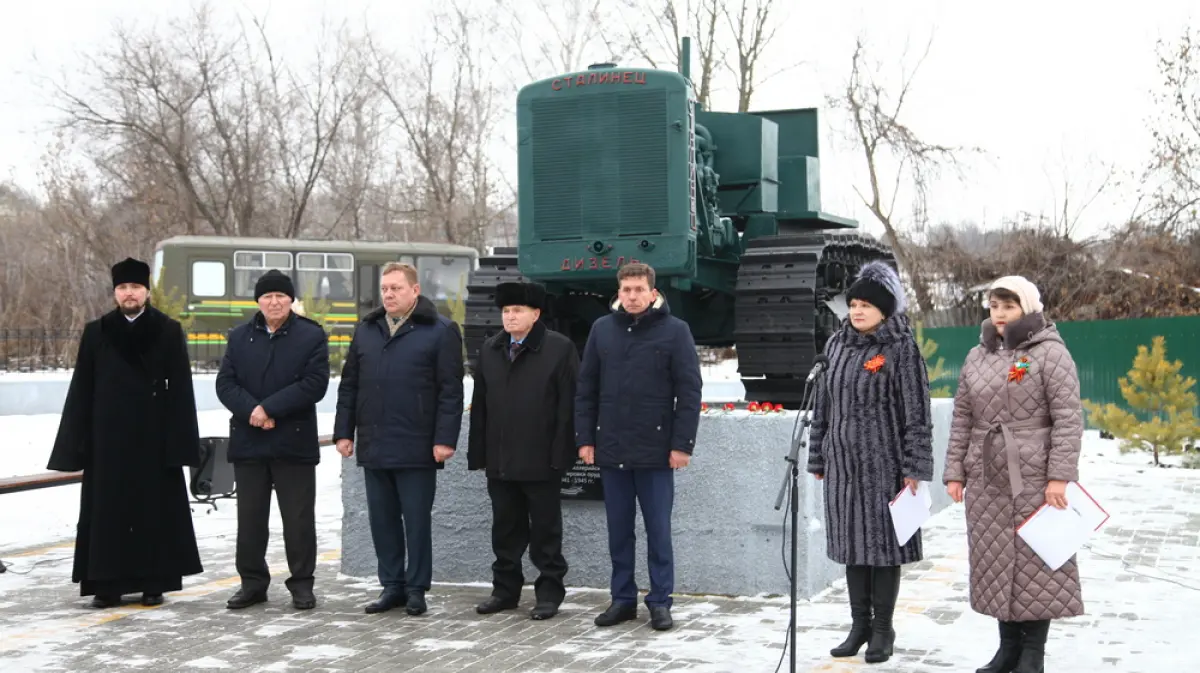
(820, 363)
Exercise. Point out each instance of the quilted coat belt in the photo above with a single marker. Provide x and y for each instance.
(1011, 450)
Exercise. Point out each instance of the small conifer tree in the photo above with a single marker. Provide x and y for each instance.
(1163, 420)
(318, 311)
(166, 301)
(937, 370)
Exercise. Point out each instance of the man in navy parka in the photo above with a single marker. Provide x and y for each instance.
(637, 408)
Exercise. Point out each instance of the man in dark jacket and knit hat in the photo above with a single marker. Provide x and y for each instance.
(275, 370)
(522, 434)
(129, 422)
(400, 406)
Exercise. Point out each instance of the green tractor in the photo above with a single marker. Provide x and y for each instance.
(618, 165)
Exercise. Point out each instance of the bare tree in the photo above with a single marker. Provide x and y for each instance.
(1174, 169)
(447, 111)
(753, 27)
(659, 40)
(353, 175)
(576, 40)
(308, 111)
(1075, 186)
(881, 136)
(236, 137)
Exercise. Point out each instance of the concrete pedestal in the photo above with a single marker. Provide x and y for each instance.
(728, 536)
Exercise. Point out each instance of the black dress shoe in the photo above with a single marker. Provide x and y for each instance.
(303, 599)
(106, 601)
(495, 604)
(543, 610)
(152, 599)
(244, 599)
(416, 603)
(390, 598)
(660, 618)
(617, 613)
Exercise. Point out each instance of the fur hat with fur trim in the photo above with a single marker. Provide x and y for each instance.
(879, 285)
(532, 295)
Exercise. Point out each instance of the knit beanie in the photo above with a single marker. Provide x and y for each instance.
(1031, 299)
(130, 270)
(274, 281)
(879, 285)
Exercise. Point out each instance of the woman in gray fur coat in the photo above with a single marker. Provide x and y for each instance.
(871, 437)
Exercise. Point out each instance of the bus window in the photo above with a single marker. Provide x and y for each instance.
(325, 275)
(368, 288)
(249, 265)
(156, 269)
(443, 277)
(208, 279)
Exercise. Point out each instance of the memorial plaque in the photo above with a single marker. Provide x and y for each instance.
(582, 482)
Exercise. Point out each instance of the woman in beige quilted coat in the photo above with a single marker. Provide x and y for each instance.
(1014, 445)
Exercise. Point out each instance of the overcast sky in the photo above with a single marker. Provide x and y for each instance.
(1037, 85)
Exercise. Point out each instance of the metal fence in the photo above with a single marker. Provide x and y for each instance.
(38, 350)
(45, 350)
(1103, 350)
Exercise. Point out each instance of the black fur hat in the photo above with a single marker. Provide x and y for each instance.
(532, 295)
(130, 270)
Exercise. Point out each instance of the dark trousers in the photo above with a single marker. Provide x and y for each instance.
(527, 514)
(295, 488)
(654, 492)
(400, 509)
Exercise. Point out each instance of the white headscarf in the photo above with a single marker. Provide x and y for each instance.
(1031, 299)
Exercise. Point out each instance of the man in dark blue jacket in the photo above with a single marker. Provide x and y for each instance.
(637, 408)
(401, 401)
(275, 370)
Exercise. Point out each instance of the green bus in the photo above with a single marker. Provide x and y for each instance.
(214, 276)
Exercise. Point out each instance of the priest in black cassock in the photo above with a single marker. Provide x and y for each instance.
(129, 422)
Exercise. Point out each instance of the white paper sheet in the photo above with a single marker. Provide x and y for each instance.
(910, 511)
(1057, 534)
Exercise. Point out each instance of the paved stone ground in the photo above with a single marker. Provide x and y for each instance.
(1139, 582)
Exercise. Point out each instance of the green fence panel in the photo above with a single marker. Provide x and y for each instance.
(1103, 350)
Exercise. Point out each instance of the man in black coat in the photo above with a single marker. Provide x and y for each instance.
(522, 434)
(400, 404)
(129, 422)
(637, 410)
(275, 370)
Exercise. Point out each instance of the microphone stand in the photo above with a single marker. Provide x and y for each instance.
(791, 480)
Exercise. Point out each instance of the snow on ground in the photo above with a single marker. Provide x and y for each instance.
(33, 518)
(1137, 572)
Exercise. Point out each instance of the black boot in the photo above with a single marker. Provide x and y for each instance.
(1005, 660)
(885, 588)
(1033, 647)
(106, 601)
(858, 586)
